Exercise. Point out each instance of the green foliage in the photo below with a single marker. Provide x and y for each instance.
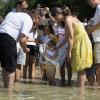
(7, 7)
(77, 6)
(2, 7)
(32, 3)
(2, 4)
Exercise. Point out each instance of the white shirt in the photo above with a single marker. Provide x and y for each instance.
(61, 33)
(31, 37)
(96, 20)
(45, 39)
(52, 56)
(56, 27)
(16, 23)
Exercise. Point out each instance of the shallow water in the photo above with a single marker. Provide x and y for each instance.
(39, 90)
(44, 92)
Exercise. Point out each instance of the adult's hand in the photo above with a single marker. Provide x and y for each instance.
(27, 50)
(68, 58)
(47, 9)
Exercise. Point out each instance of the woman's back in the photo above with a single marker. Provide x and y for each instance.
(78, 28)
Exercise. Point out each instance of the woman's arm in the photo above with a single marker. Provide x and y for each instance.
(47, 10)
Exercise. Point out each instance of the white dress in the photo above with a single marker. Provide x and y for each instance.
(44, 39)
(63, 50)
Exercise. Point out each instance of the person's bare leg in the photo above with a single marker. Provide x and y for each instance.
(32, 67)
(51, 80)
(98, 73)
(81, 78)
(32, 71)
(9, 79)
(25, 67)
(62, 74)
(4, 78)
(69, 74)
(18, 73)
(25, 72)
(43, 72)
(91, 79)
(51, 74)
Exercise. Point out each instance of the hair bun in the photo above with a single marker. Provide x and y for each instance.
(56, 10)
(66, 11)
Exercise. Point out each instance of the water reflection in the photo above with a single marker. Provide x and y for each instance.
(44, 92)
(39, 90)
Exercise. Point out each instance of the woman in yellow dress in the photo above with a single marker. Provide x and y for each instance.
(79, 51)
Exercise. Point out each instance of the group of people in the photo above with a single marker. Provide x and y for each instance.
(63, 41)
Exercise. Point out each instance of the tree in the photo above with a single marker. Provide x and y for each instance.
(77, 6)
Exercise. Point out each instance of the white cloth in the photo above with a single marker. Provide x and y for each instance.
(63, 50)
(42, 48)
(16, 23)
(62, 55)
(31, 37)
(96, 20)
(44, 39)
(56, 27)
(60, 31)
(52, 56)
(21, 56)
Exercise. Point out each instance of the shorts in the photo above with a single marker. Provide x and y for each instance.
(90, 71)
(32, 50)
(96, 53)
(21, 56)
(8, 52)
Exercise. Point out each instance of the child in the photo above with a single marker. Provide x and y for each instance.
(31, 56)
(59, 29)
(51, 61)
(49, 41)
(45, 38)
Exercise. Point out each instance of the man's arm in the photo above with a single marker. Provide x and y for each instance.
(93, 28)
(23, 43)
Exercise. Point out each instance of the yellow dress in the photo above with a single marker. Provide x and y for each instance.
(82, 49)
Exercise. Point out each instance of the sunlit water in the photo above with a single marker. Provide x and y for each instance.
(39, 90)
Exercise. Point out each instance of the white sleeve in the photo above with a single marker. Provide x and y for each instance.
(36, 35)
(97, 16)
(27, 24)
(98, 13)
